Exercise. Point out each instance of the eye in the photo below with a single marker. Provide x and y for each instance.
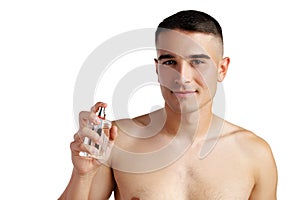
(169, 62)
(196, 62)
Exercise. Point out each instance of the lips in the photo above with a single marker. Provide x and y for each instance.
(184, 94)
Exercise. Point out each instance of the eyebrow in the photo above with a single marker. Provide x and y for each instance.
(199, 56)
(167, 56)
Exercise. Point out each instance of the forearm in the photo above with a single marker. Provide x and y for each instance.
(78, 188)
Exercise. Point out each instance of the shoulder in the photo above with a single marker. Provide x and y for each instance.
(134, 131)
(247, 141)
(256, 155)
(251, 147)
(140, 126)
(129, 128)
(139, 121)
(251, 144)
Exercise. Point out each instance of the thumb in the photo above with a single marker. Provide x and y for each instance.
(113, 133)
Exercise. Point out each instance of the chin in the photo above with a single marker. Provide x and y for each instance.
(192, 106)
(183, 108)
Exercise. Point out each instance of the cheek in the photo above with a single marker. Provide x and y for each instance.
(167, 96)
(166, 77)
(207, 78)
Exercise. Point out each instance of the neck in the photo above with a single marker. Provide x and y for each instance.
(195, 123)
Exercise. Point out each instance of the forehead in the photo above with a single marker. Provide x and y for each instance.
(184, 43)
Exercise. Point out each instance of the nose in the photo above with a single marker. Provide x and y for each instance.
(184, 73)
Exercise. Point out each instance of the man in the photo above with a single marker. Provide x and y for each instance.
(193, 154)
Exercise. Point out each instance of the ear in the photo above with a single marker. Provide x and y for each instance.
(156, 68)
(156, 65)
(222, 68)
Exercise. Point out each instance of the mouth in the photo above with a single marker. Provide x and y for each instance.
(184, 94)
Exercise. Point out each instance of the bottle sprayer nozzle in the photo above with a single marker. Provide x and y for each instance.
(101, 113)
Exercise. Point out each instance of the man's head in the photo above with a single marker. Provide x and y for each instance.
(189, 59)
(191, 21)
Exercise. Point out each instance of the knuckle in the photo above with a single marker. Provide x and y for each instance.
(87, 132)
(92, 116)
(83, 114)
(72, 145)
(82, 147)
(80, 135)
(76, 136)
(94, 108)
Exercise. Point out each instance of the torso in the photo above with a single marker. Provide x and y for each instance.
(225, 173)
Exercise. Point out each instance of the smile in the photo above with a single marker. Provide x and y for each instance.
(184, 94)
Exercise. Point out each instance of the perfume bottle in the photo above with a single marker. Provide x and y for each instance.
(100, 150)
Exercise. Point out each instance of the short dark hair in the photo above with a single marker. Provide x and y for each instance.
(191, 20)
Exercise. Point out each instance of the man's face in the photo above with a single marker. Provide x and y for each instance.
(188, 67)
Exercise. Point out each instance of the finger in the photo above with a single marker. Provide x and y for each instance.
(113, 133)
(83, 118)
(112, 137)
(86, 117)
(77, 138)
(87, 132)
(77, 147)
(96, 107)
(110, 146)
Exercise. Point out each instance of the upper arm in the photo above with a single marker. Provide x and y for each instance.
(103, 184)
(265, 173)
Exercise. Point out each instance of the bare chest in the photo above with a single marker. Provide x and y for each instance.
(189, 178)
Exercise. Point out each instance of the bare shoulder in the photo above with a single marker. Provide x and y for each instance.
(129, 127)
(139, 121)
(251, 147)
(139, 131)
(254, 154)
(247, 141)
(151, 121)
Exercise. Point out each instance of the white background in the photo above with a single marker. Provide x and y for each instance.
(44, 44)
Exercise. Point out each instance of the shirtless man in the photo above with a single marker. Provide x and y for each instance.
(194, 154)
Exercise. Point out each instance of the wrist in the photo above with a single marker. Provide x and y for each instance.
(84, 176)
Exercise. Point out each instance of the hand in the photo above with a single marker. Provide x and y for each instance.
(87, 165)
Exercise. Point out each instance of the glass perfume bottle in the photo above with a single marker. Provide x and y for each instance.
(101, 149)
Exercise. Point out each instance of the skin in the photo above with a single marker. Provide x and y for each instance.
(238, 164)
